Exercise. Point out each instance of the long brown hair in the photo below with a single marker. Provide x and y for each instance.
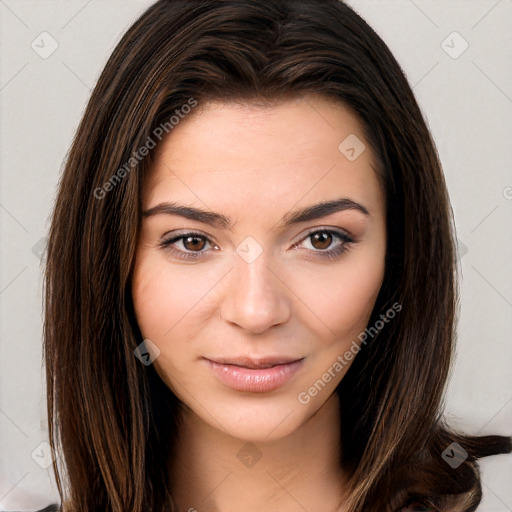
(112, 421)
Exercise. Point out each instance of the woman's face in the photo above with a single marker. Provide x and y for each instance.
(244, 267)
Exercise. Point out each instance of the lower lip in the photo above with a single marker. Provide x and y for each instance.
(254, 380)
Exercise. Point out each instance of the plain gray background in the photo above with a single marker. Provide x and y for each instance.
(457, 56)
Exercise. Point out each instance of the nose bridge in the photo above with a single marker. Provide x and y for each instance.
(255, 298)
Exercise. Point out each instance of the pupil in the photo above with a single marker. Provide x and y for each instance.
(323, 238)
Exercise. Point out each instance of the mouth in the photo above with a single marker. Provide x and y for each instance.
(255, 364)
(255, 376)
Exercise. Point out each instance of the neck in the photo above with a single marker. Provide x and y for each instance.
(214, 471)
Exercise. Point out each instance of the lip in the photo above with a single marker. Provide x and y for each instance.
(245, 374)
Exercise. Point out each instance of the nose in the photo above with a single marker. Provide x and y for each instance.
(256, 297)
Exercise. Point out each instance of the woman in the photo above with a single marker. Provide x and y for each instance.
(251, 288)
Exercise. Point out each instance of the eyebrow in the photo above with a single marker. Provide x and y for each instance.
(312, 212)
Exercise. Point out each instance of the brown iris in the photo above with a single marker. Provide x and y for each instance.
(322, 238)
(194, 243)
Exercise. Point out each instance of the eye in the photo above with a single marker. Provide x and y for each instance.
(187, 245)
(327, 242)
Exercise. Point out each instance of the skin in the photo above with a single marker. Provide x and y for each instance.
(255, 164)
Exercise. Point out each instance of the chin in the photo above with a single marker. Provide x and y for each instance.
(258, 419)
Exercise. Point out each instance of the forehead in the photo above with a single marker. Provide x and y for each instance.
(237, 154)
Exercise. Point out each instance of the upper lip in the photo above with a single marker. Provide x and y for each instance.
(249, 362)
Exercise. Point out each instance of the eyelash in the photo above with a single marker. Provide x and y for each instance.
(330, 254)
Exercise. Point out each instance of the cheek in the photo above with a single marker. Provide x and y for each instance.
(168, 298)
(166, 301)
(154, 304)
(343, 296)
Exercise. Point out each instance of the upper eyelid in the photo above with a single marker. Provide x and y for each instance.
(338, 231)
(180, 235)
